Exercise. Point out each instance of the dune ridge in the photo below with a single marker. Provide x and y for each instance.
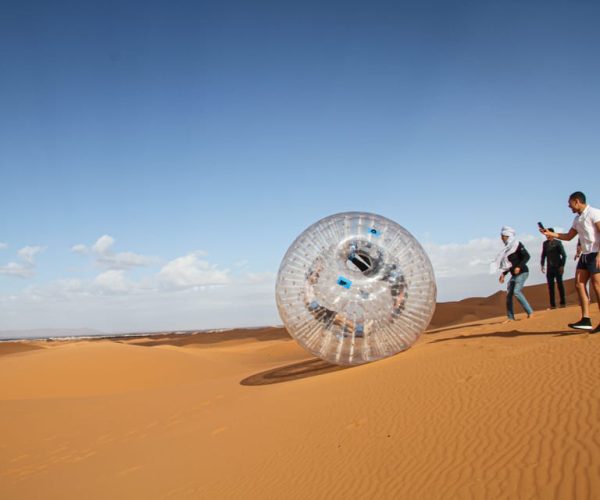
(477, 308)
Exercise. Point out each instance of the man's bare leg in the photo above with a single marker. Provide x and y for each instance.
(596, 285)
(581, 278)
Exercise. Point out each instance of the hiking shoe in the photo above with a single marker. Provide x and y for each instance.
(582, 324)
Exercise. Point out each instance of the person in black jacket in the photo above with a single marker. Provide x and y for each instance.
(513, 259)
(554, 254)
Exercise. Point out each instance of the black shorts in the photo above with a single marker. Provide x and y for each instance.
(587, 262)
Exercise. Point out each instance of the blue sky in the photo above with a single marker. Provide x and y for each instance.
(221, 131)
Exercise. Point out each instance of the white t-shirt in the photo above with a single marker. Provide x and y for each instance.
(585, 225)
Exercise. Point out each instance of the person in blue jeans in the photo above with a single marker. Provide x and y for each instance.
(513, 259)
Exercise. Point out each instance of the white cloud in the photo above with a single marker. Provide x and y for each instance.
(79, 249)
(103, 244)
(113, 281)
(192, 292)
(64, 289)
(126, 260)
(183, 272)
(187, 292)
(112, 303)
(190, 271)
(462, 269)
(454, 259)
(15, 269)
(259, 278)
(28, 254)
(25, 268)
(102, 250)
(3, 246)
(72, 286)
(475, 256)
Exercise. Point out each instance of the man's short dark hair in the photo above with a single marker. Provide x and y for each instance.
(551, 229)
(578, 195)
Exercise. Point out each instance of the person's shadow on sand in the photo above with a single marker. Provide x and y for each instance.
(303, 369)
(435, 331)
(509, 334)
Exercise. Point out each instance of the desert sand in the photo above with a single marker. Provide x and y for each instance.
(476, 409)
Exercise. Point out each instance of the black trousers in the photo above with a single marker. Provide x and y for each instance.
(553, 274)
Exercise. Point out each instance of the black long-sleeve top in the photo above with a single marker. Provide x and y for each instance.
(554, 252)
(518, 259)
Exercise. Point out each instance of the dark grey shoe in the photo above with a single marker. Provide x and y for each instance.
(582, 324)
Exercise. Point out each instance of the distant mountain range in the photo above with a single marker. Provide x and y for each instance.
(46, 333)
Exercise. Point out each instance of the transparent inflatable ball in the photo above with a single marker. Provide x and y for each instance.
(355, 287)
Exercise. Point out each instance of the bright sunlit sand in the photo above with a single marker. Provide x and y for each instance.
(479, 409)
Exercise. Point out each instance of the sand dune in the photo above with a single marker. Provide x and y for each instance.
(477, 308)
(478, 410)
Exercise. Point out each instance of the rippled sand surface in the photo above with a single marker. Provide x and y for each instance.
(475, 410)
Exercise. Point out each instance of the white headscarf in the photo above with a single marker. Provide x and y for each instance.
(501, 262)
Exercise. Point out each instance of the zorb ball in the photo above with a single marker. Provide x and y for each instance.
(355, 287)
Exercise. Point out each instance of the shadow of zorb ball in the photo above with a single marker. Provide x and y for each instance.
(355, 287)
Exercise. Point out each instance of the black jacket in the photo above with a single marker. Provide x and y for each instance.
(518, 259)
(554, 252)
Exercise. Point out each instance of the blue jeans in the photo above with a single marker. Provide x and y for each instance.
(514, 289)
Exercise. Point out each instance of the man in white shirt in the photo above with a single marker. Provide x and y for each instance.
(586, 225)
